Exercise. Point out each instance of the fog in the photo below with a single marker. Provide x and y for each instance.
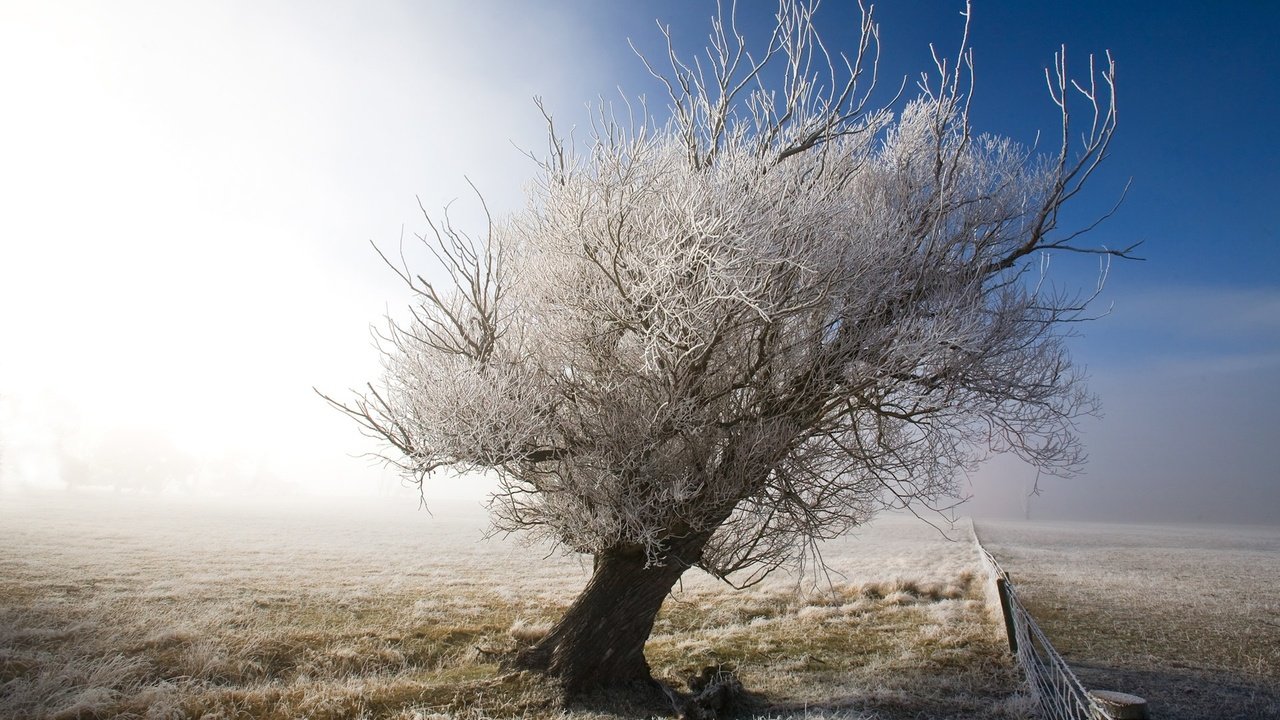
(1173, 446)
(190, 192)
(190, 195)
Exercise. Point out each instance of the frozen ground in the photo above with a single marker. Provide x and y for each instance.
(130, 607)
(1186, 616)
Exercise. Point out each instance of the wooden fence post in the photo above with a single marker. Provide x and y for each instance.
(1120, 706)
(1002, 589)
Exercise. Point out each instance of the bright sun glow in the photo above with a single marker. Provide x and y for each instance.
(189, 192)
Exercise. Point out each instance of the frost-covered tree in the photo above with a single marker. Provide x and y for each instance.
(714, 339)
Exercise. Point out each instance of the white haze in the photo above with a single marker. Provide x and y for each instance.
(1187, 380)
(189, 194)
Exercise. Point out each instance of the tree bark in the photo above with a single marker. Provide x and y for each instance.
(600, 640)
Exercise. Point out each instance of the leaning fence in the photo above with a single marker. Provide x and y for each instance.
(1057, 692)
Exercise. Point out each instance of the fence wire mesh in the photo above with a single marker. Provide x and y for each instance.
(1056, 690)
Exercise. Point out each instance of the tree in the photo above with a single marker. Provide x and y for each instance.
(714, 340)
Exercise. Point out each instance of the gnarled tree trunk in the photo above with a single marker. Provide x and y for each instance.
(600, 640)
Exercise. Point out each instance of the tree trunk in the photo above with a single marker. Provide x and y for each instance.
(600, 640)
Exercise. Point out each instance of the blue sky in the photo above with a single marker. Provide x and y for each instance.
(190, 191)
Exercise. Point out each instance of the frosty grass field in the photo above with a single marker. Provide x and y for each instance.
(119, 606)
(1186, 616)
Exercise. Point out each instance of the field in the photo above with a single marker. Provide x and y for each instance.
(119, 606)
(1187, 617)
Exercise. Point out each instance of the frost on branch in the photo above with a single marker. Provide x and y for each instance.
(761, 320)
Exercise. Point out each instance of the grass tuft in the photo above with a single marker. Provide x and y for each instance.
(528, 633)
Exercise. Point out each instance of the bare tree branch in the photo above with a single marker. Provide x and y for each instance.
(758, 322)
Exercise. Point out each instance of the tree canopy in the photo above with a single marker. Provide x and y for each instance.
(716, 336)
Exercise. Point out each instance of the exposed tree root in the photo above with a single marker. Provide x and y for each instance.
(715, 692)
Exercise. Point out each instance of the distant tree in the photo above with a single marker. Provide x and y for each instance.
(124, 457)
(714, 340)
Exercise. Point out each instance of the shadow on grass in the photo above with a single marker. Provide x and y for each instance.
(1188, 693)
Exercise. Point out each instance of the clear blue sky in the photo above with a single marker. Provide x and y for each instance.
(189, 190)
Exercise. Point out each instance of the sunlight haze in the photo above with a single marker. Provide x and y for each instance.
(192, 189)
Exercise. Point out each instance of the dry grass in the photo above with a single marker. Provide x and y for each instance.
(1186, 616)
(113, 607)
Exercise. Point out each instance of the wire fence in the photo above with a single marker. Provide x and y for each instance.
(1057, 692)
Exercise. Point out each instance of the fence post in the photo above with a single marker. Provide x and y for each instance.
(1006, 608)
(1120, 706)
